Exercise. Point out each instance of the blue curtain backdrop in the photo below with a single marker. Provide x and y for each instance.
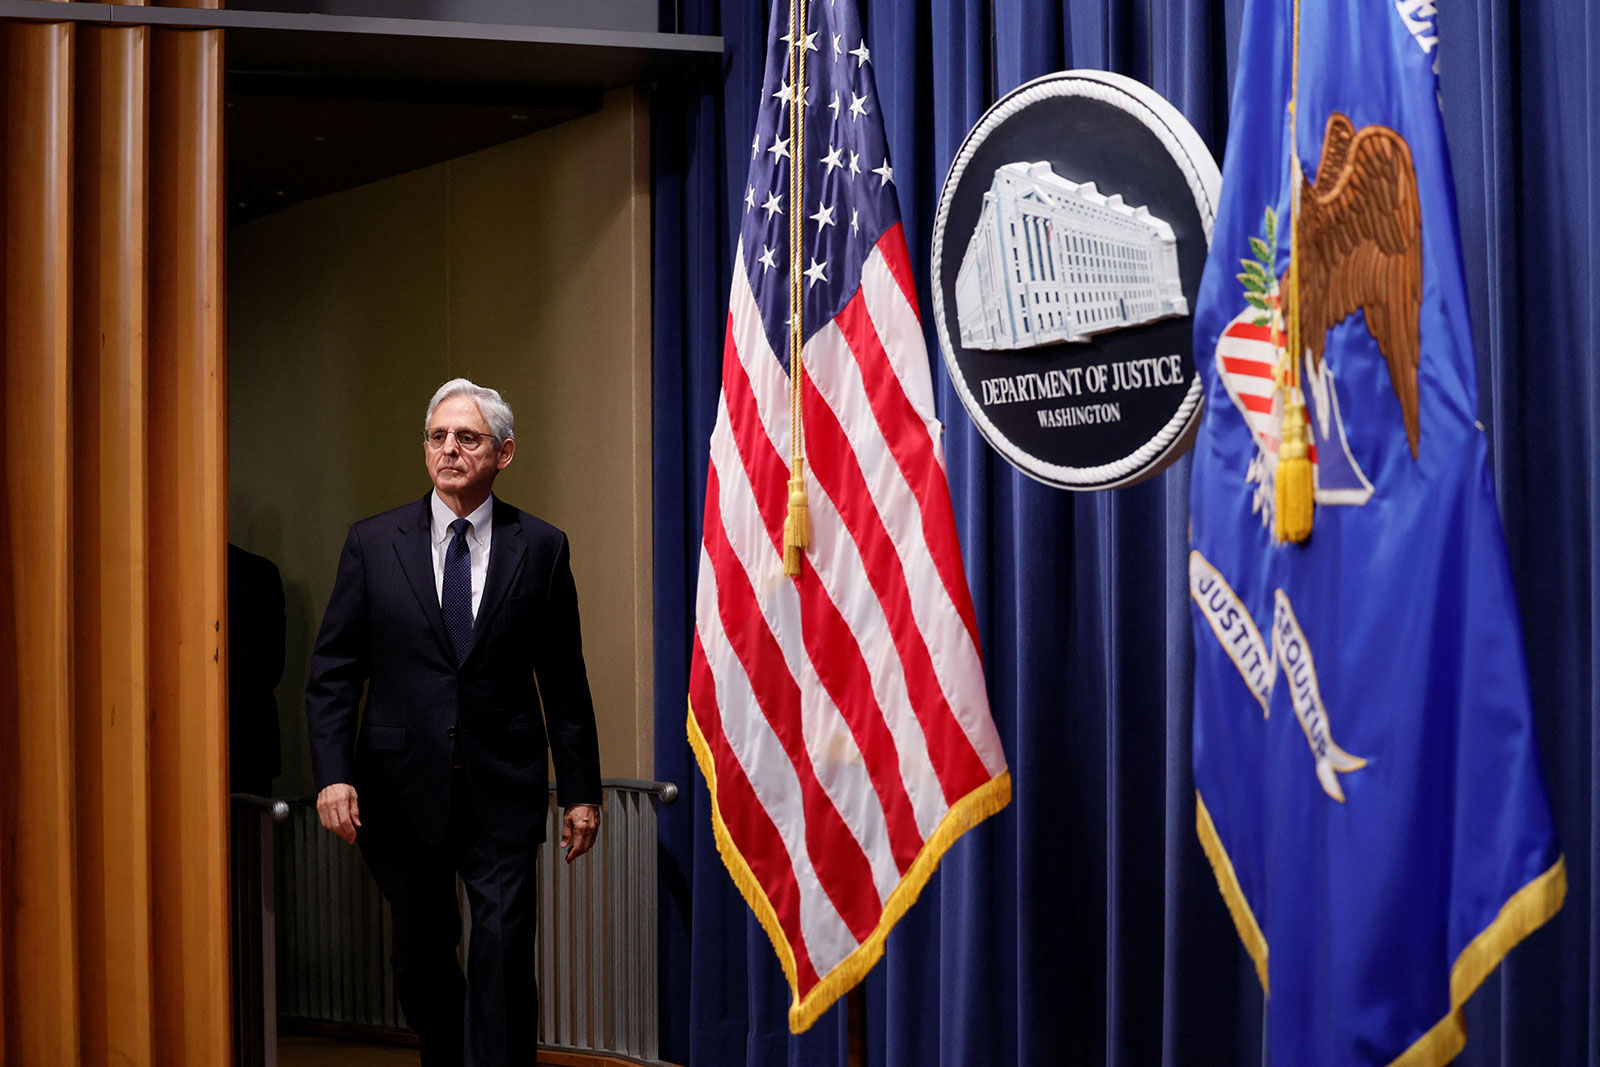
(1083, 925)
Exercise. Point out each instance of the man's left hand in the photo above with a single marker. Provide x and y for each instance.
(580, 825)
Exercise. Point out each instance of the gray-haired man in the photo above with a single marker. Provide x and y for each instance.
(459, 616)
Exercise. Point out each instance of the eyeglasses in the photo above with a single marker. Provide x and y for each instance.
(466, 440)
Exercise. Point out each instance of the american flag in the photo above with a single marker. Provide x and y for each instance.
(840, 717)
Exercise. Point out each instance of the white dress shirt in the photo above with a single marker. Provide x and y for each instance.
(478, 535)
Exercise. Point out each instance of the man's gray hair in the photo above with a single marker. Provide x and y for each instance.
(496, 412)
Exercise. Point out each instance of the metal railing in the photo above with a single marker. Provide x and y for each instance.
(334, 931)
(596, 942)
(597, 929)
(255, 1015)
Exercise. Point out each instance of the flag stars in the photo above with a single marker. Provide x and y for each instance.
(831, 149)
(809, 39)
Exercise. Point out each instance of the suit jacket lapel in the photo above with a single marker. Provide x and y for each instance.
(507, 550)
(414, 546)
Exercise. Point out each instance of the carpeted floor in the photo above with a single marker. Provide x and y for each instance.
(300, 1050)
(295, 1050)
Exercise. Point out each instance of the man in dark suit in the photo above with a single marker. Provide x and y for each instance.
(459, 615)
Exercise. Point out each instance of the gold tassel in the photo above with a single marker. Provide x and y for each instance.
(797, 526)
(1295, 493)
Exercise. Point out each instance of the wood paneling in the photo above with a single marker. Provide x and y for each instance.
(188, 488)
(8, 636)
(41, 961)
(113, 771)
(111, 562)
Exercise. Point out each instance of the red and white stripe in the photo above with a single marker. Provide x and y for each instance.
(1246, 356)
(843, 712)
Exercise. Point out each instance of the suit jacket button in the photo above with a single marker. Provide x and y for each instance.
(450, 733)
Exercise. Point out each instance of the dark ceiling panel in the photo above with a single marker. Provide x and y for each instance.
(637, 15)
(459, 57)
(320, 102)
(412, 49)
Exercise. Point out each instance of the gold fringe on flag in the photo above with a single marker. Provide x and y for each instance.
(967, 812)
(1527, 910)
(1244, 920)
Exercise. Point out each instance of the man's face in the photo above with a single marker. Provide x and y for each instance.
(457, 471)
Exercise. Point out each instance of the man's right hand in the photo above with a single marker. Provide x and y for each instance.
(338, 810)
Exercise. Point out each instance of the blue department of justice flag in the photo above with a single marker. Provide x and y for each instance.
(1368, 781)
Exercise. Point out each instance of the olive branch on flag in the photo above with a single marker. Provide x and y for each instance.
(1259, 284)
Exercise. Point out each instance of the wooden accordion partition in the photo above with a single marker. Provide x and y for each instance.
(113, 772)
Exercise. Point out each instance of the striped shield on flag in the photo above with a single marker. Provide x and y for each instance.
(1246, 357)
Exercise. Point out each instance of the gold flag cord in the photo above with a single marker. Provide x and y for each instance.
(797, 525)
(1294, 488)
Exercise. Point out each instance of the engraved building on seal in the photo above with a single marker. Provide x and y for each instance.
(1057, 260)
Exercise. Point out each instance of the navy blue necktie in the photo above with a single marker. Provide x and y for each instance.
(456, 597)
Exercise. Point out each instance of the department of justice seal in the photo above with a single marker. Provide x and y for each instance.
(1067, 252)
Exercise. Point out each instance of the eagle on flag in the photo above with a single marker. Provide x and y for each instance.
(1360, 234)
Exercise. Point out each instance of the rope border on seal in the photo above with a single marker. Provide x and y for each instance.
(1107, 88)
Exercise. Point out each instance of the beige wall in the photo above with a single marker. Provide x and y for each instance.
(524, 267)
